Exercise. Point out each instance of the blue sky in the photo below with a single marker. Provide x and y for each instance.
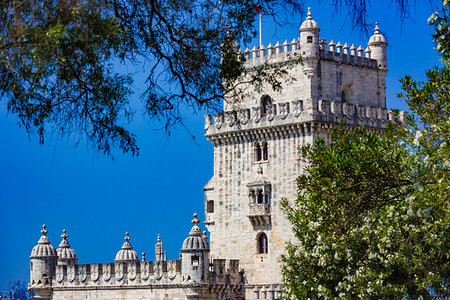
(98, 199)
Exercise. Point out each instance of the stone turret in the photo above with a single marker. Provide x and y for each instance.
(378, 47)
(159, 252)
(43, 263)
(195, 255)
(309, 36)
(66, 255)
(126, 254)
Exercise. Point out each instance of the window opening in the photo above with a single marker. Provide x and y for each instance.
(258, 152)
(265, 154)
(266, 101)
(262, 243)
(210, 206)
(194, 260)
(309, 39)
(260, 196)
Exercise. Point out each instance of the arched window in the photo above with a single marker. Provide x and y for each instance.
(265, 153)
(266, 101)
(252, 197)
(258, 152)
(309, 39)
(263, 245)
(260, 196)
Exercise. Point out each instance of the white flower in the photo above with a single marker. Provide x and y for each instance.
(433, 17)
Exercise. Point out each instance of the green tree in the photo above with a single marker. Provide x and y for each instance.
(57, 59)
(372, 214)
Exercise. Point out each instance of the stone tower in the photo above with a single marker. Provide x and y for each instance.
(195, 255)
(42, 268)
(256, 144)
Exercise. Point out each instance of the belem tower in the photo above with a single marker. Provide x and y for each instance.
(255, 165)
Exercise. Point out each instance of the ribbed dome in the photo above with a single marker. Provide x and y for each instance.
(377, 37)
(64, 250)
(195, 241)
(43, 248)
(309, 23)
(127, 253)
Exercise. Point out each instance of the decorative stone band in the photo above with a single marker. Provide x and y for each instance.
(292, 118)
(145, 273)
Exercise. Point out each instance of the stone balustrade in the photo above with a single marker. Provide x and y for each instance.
(259, 214)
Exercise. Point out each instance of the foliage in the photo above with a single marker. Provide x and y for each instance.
(60, 60)
(372, 215)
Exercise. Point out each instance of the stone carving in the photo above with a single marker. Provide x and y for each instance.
(244, 116)
(349, 110)
(257, 209)
(132, 271)
(82, 273)
(218, 120)
(297, 107)
(107, 272)
(119, 271)
(284, 110)
(231, 118)
(95, 272)
(208, 121)
(71, 273)
(271, 112)
(59, 275)
(256, 114)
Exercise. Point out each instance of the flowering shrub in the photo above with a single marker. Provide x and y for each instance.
(372, 215)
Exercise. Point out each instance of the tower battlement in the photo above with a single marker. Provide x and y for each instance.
(291, 52)
(290, 117)
(141, 273)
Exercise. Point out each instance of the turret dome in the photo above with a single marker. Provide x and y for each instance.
(195, 241)
(64, 251)
(126, 254)
(377, 37)
(309, 23)
(43, 248)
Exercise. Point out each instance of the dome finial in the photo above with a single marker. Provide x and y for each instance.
(309, 14)
(44, 231)
(64, 235)
(127, 253)
(158, 239)
(377, 29)
(195, 221)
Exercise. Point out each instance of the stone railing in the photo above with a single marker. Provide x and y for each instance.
(299, 111)
(259, 214)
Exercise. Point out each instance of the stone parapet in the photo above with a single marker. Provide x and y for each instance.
(135, 274)
(295, 117)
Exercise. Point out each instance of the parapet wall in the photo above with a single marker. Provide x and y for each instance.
(298, 112)
(140, 273)
(285, 52)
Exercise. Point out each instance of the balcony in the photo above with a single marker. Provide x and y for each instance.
(259, 214)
